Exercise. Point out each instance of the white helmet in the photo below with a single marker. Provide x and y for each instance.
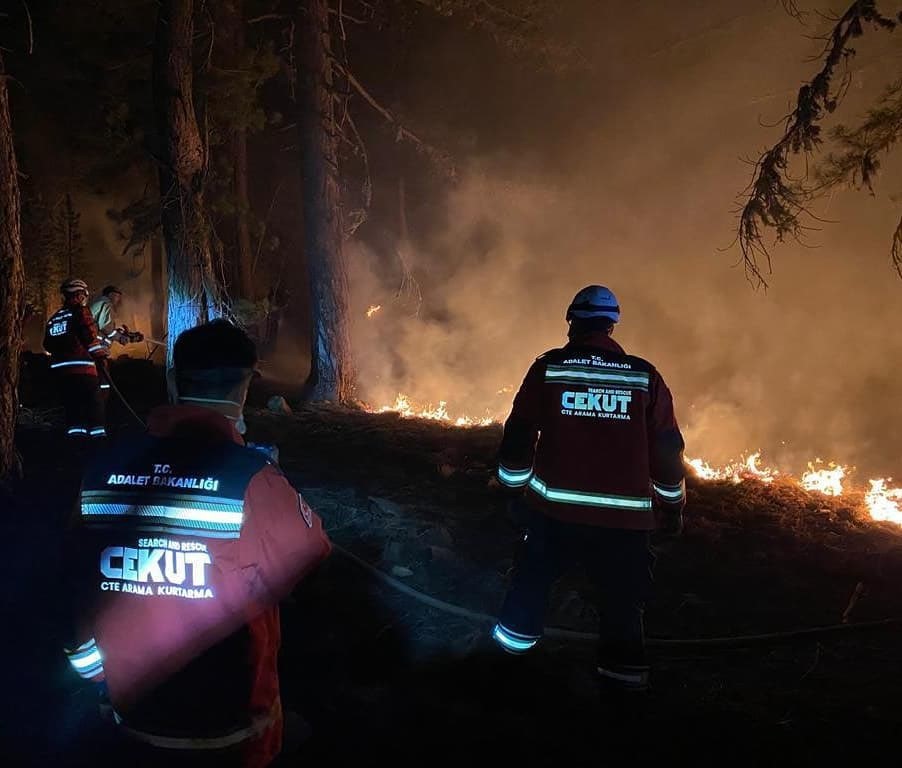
(594, 301)
(72, 285)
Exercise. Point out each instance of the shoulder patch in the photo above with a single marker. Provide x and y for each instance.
(306, 512)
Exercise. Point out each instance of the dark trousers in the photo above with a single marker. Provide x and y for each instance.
(619, 562)
(83, 404)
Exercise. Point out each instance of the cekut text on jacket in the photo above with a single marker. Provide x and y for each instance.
(185, 542)
(593, 437)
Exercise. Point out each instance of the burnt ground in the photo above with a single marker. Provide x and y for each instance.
(380, 675)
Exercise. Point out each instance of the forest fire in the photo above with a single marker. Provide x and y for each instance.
(373, 309)
(407, 410)
(883, 503)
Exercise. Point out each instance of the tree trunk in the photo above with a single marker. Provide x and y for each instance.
(158, 299)
(330, 376)
(193, 295)
(228, 52)
(245, 252)
(12, 287)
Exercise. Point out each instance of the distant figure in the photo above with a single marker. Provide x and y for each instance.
(105, 310)
(186, 540)
(78, 360)
(593, 439)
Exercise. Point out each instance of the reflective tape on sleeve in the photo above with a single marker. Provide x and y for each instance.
(514, 478)
(72, 362)
(86, 660)
(511, 641)
(670, 492)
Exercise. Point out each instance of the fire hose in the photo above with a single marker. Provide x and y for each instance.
(727, 642)
(105, 374)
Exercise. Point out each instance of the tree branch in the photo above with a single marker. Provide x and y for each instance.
(268, 17)
(897, 248)
(30, 27)
(402, 133)
(772, 199)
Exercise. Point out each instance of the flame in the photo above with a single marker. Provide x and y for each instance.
(826, 481)
(373, 309)
(406, 409)
(737, 471)
(883, 503)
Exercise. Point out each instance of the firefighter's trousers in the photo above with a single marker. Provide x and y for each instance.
(619, 563)
(83, 405)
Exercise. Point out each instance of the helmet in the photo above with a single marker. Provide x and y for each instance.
(72, 285)
(594, 301)
(110, 289)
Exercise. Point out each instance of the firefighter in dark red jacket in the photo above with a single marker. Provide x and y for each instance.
(185, 543)
(78, 359)
(593, 439)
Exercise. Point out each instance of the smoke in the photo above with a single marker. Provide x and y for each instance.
(637, 195)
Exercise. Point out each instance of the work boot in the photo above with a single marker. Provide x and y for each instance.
(624, 695)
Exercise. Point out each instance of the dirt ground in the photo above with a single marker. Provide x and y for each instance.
(381, 675)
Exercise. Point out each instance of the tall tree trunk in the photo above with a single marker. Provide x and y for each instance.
(228, 55)
(331, 377)
(193, 295)
(245, 251)
(12, 287)
(158, 299)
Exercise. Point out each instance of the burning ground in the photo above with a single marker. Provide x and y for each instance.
(380, 673)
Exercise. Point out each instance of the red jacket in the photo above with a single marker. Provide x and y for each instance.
(592, 436)
(73, 341)
(186, 541)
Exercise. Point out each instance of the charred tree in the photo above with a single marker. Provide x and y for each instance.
(331, 376)
(193, 297)
(12, 286)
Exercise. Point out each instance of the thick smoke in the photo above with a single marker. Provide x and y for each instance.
(640, 198)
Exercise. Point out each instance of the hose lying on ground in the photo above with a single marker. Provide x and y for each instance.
(735, 641)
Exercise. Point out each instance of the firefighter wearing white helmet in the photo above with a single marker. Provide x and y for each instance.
(78, 358)
(593, 442)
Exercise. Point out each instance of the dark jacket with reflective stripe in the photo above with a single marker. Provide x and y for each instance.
(593, 437)
(186, 541)
(73, 341)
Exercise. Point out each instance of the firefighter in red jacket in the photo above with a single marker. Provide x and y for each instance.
(186, 540)
(593, 440)
(78, 359)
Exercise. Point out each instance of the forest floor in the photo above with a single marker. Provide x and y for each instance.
(381, 675)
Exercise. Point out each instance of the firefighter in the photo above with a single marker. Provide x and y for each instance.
(104, 310)
(593, 440)
(186, 540)
(78, 360)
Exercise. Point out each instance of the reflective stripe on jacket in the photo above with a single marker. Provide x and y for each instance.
(73, 341)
